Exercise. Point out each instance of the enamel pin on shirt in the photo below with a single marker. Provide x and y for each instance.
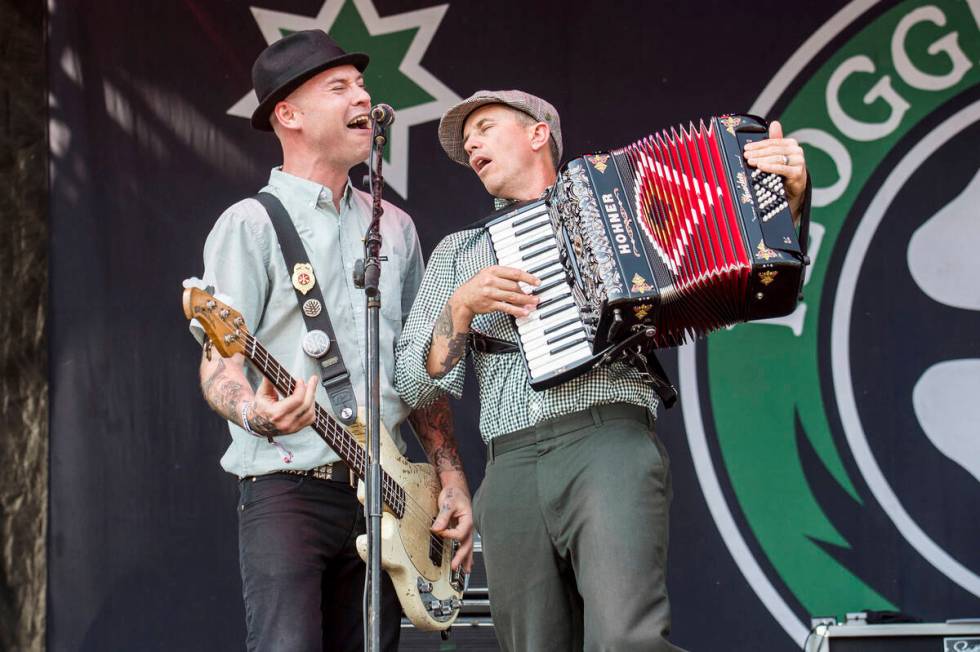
(303, 278)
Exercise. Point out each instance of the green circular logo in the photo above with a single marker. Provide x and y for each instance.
(838, 448)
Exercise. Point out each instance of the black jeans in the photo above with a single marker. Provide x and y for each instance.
(302, 579)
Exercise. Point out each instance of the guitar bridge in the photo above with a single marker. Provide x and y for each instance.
(440, 610)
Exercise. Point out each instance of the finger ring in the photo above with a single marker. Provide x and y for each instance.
(785, 160)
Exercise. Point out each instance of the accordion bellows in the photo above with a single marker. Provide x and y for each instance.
(672, 236)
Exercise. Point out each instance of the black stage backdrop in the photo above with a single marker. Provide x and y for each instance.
(824, 463)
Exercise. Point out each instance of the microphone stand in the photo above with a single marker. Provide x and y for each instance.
(366, 275)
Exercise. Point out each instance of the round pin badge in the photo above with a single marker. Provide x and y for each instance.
(312, 307)
(316, 344)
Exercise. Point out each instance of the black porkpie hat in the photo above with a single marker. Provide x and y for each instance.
(286, 64)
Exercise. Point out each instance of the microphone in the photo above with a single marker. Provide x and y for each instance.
(383, 115)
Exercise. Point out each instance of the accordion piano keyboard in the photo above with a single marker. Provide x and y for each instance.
(553, 336)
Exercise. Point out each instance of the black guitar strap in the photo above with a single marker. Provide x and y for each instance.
(320, 342)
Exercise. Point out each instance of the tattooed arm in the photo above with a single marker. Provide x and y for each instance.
(493, 289)
(433, 426)
(226, 389)
(448, 340)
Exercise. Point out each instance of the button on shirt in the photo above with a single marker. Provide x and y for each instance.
(507, 402)
(243, 261)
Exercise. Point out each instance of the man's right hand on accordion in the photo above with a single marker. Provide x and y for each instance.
(782, 156)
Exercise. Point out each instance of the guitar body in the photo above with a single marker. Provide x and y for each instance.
(417, 560)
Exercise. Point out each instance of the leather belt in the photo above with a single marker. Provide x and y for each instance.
(565, 423)
(335, 472)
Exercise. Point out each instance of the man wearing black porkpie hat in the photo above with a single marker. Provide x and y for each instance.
(302, 579)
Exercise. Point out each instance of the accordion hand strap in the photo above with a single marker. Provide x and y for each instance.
(805, 219)
(804, 236)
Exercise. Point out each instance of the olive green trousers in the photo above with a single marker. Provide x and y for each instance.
(573, 514)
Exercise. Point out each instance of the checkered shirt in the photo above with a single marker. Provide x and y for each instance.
(507, 402)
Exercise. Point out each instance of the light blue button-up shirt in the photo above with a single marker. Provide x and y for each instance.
(242, 260)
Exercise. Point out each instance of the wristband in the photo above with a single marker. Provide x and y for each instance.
(285, 453)
(248, 427)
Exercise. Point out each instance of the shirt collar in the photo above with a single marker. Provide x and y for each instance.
(309, 193)
(500, 203)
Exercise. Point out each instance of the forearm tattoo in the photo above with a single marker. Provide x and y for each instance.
(433, 425)
(225, 396)
(222, 393)
(455, 342)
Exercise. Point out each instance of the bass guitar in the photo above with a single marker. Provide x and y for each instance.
(417, 560)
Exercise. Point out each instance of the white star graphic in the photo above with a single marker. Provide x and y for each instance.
(426, 21)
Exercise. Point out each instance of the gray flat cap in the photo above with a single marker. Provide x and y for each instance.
(451, 124)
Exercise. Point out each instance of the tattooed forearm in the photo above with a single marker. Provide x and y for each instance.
(455, 343)
(206, 385)
(446, 457)
(223, 394)
(444, 323)
(433, 425)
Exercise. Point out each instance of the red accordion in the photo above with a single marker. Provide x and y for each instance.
(719, 236)
(646, 246)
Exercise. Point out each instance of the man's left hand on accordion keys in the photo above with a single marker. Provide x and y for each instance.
(782, 156)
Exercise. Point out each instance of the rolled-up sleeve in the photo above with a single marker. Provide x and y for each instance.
(236, 263)
(412, 380)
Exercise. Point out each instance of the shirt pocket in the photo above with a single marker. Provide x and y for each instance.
(391, 288)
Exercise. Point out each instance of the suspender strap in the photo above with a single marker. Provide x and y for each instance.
(334, 375)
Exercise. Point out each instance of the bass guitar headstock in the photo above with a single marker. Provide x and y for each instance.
(223, 325)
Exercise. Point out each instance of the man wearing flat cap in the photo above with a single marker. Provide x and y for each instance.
(302, 580)
(573, 509)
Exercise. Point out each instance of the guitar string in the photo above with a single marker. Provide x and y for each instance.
(397, 496)
(349, 445)
(403, 499)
